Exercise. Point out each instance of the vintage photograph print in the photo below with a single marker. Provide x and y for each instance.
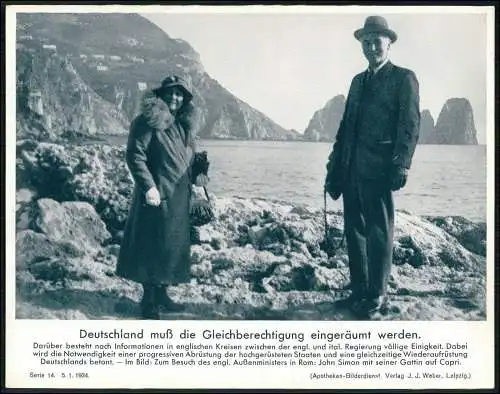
(251, 166)
(250, 197)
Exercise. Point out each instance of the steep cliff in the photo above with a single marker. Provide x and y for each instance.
(325, 122)
(427, 128)
(55, 103)
(455, 124)
(118, 56)
(237, 120)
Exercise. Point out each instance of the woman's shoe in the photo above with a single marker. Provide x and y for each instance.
(165, 302)
(150, 312)
(149, 306)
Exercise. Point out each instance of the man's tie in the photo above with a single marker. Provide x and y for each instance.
(369, 75)
(369, 78)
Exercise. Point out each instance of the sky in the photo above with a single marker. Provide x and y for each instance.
(289, 64)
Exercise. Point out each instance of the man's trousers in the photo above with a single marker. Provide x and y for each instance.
(369, 229)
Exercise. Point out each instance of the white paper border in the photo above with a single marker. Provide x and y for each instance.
(18, 331)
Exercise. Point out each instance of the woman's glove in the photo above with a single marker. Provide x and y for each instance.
(200, 167)
(153, 197)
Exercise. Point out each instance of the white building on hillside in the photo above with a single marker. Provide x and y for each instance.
(137, 59)
(49, 46)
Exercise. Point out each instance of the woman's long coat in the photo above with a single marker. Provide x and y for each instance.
(156, 244)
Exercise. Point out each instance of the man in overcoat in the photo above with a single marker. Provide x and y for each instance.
(370, 159)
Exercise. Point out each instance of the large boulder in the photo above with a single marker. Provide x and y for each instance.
(471, 235)
(68, 229)
(71, 221)
(64, 266)
(96, 174)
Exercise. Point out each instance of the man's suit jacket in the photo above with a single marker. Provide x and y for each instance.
(380, 126)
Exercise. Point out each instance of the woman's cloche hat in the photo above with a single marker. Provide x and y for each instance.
(376, 24)
(174, 80)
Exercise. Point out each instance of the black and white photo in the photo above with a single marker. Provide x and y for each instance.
(91, 119)
(282, 197)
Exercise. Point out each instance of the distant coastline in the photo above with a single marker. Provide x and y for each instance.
(114, 139)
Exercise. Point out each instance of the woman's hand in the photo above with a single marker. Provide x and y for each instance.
(202, 180)
(153, 197)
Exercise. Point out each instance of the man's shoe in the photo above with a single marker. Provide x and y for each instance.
(353, 298)
(375, 304)
(370, 305)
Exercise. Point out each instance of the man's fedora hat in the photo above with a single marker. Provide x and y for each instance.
(376, 24)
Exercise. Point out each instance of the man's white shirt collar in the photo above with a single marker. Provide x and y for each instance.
(376, 70)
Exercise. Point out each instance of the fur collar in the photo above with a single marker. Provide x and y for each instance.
(155, 111)
(158, 116)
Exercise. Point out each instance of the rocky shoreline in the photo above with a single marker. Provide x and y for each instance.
(259, 260)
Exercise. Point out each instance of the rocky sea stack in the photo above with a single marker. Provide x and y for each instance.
(455, 124)
(259, 260)
(325, 122)
(427, 128)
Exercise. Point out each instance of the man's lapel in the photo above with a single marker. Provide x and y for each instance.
(352, 109)
(378, 79)
(357, 95)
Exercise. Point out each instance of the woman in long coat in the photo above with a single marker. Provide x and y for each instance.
(155, 249)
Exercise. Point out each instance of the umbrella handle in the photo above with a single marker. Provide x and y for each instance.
(324, 214)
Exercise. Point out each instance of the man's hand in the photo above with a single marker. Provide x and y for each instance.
(331, 190)
(153, 197)
(398, 178)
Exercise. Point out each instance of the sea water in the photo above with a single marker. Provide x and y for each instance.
(443, 180)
